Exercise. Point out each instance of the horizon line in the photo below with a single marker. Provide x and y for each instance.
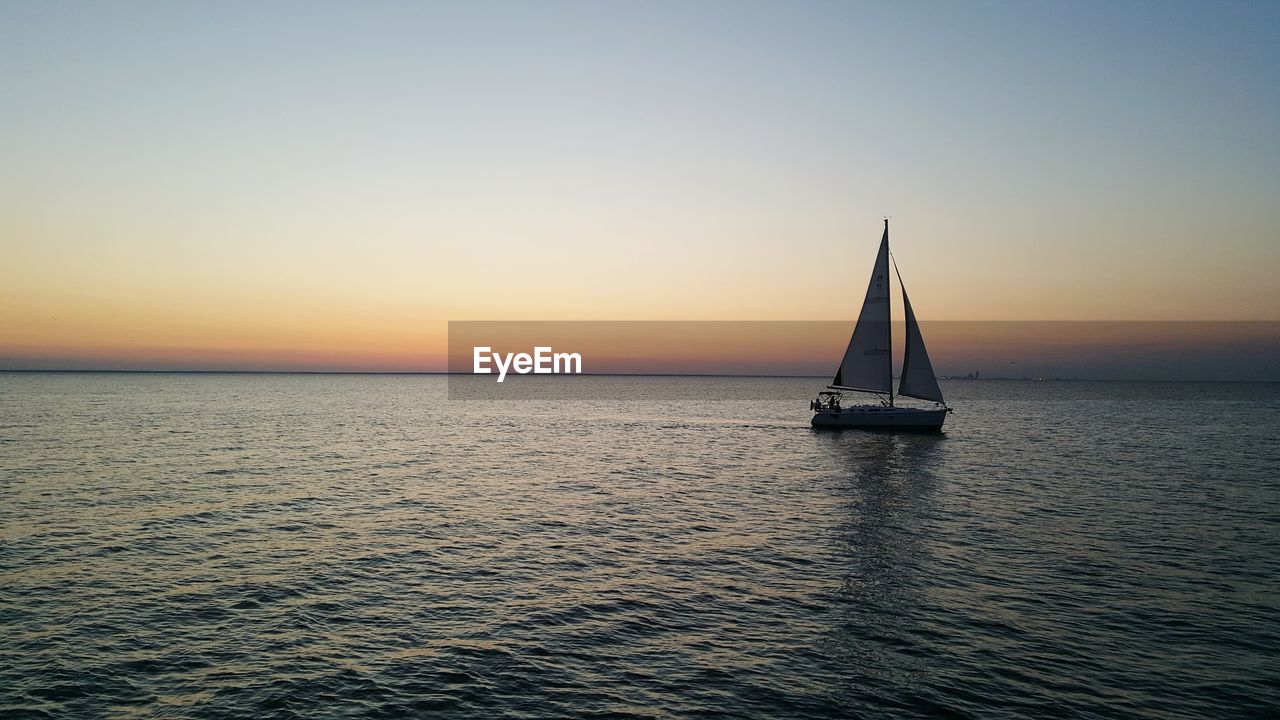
(669, 375)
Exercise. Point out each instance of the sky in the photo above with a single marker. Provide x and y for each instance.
(324, 186)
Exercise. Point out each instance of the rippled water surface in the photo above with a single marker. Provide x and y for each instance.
(325, 546)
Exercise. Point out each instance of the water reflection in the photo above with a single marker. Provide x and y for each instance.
(887, 484)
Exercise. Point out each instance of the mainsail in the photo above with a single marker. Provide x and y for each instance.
(918, 380)
(868, 362)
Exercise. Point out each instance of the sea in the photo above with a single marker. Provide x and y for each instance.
(364, 546)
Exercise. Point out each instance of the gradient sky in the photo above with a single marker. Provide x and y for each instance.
(323, 186)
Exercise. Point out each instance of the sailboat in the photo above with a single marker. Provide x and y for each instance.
(867, 366)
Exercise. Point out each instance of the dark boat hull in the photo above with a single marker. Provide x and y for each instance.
(879, 417)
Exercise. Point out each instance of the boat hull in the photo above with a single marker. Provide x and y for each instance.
(878, 417)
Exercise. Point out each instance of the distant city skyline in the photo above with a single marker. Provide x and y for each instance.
(324, 186)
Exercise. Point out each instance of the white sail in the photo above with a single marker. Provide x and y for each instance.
(918, 380)
(868, 362)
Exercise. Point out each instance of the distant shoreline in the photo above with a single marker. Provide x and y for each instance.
(35, 371)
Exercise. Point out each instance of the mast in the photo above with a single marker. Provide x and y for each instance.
(890, 330)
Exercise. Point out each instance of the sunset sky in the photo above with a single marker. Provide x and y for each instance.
(325, 186)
